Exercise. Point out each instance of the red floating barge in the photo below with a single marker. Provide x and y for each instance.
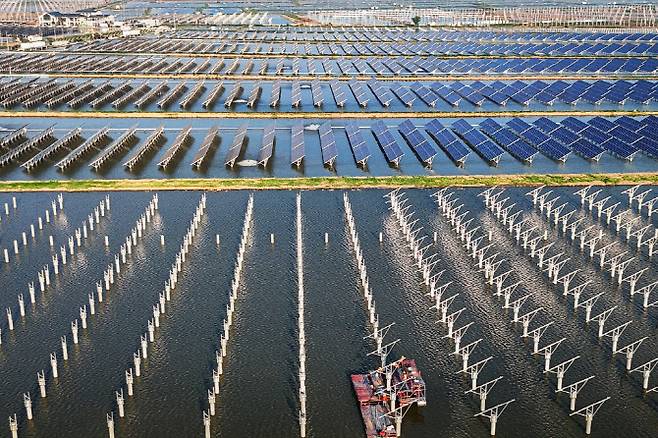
(406, 386)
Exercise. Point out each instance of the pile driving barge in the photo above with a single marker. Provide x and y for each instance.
(384, 395)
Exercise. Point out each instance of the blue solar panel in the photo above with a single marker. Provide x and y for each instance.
(477, 141)
(425, 94)
(403, 94)
(600, 138)
(359, 93)
(448, 141)
(629, 123)
(417, 142)
(468, 93)
(446, 94)
(327, 144)
(545, 144)
(337, 90)
(297, 152)
(267, 145)
(357, 143)
(512, 143)
(594, 94)
(573, 141)
(387, 142)
(382, 94)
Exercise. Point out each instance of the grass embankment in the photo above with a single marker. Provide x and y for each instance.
(327, 183)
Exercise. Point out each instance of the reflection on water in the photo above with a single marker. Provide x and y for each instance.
(258, 394)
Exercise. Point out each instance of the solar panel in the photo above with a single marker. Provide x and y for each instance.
(417, 142)
(403, 94)
(76, 153)
(207, 145)
(312, 68)
(316, 93)
(573, 141)
(451, 145)
(387, 143)
(357, 143)
(337, 91)
(425, 94)
(296, 94)
(508, 140)
(327, 144)
(297, 144)
(236, 147)
(214, 94)
(153, 141)
(176, 146)
(359, 93)
(267, 145)
(446, 94)
(381, 93)
(10, 138)
(477, 141)
(573, 93)
(193, 95)
(254, 95)
(52, 149)
(600, 138)
(544, 143)
(594, 94)
(631, 139)
(468, 93)
(234, 94)
(275, 96)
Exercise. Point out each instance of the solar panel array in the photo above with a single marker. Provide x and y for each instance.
(391, 65)
(275, 96)
(236, 147)
(425, 94)
(417, 141)
(387, 142)
(357, 144)
(152, 141)
(546, 144)
(338, 93)
(267, 145)
(359, 93)
(553, 138)
(381, 93)
(206, 146)
(296, 94)
(478, 141)
(611, 144)
(456, 150)
(403, 94)
(327, 144)
(188, 40)
(316, 94)
(297, 151)
(181, 139)
(508, 140)
(577, 144)
(444, 95)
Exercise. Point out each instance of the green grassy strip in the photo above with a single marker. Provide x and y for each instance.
(328, 183)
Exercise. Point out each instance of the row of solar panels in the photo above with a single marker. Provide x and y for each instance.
(386, 66)
(383, 34)
(149, 45)
(624, 137)
(97, 94)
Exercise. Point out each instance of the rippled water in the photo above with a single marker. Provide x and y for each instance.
(258, 394)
